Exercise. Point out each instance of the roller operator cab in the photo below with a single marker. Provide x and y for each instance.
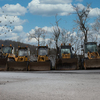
(91, 56)
(66, 60)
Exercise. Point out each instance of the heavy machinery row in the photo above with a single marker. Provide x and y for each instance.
(65, 60)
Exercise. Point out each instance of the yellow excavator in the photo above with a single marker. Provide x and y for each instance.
(43, 62)
(91, 56)
(6, 55)
(66, 59)
(21, 60)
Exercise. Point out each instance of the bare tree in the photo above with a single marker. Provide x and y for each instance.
(56, 34)
(96, 28)
(67, 37)
(77, 44)
(37, 34)
(75, 41)
(49, 42)
(43, 40)
(64, 37)
(56, 31)
(82, 21)
(96, 25)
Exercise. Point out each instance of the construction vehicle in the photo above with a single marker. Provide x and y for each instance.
(6, 54)
(21, 60)
(43, 62)
(91, 57)
(66, 59)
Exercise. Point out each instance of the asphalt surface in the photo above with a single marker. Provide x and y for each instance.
(50, 85)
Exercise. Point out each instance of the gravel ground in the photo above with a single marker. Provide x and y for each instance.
(49, 86)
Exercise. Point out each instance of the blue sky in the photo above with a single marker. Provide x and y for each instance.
(30, 14)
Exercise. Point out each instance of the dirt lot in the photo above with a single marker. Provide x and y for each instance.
(49, 85)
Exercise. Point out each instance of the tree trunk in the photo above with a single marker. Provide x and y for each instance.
(85, 40)
(56, 53)
(38, 42)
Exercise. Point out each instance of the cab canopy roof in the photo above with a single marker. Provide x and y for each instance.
(22, 47)
(42, 47)
(6, 45)
(90, 42)
(65, 46)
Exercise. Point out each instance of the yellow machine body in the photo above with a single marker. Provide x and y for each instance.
(7, 55)
(42, 58)
(43, 62)
(65, 60)
(21, 60)
(93, 55)
(66, 55)
(92, 60)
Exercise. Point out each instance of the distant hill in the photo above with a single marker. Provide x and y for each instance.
(16, 44)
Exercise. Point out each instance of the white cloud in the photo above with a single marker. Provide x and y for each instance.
(8, 36)
(32, 41)
(74, 33)
(32, 31)
(79, 0)
(55, 1)
(60, 7)
(5, 30)
(80, 6)
(13, 10)
(10, 23)
(6, 33)
(11, 20)
(37, 8)
(48, 29)
(94, 12)
(18, 29)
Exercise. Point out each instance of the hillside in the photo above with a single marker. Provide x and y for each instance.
(16, 44)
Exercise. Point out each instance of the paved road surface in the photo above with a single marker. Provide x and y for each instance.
(50, 85)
